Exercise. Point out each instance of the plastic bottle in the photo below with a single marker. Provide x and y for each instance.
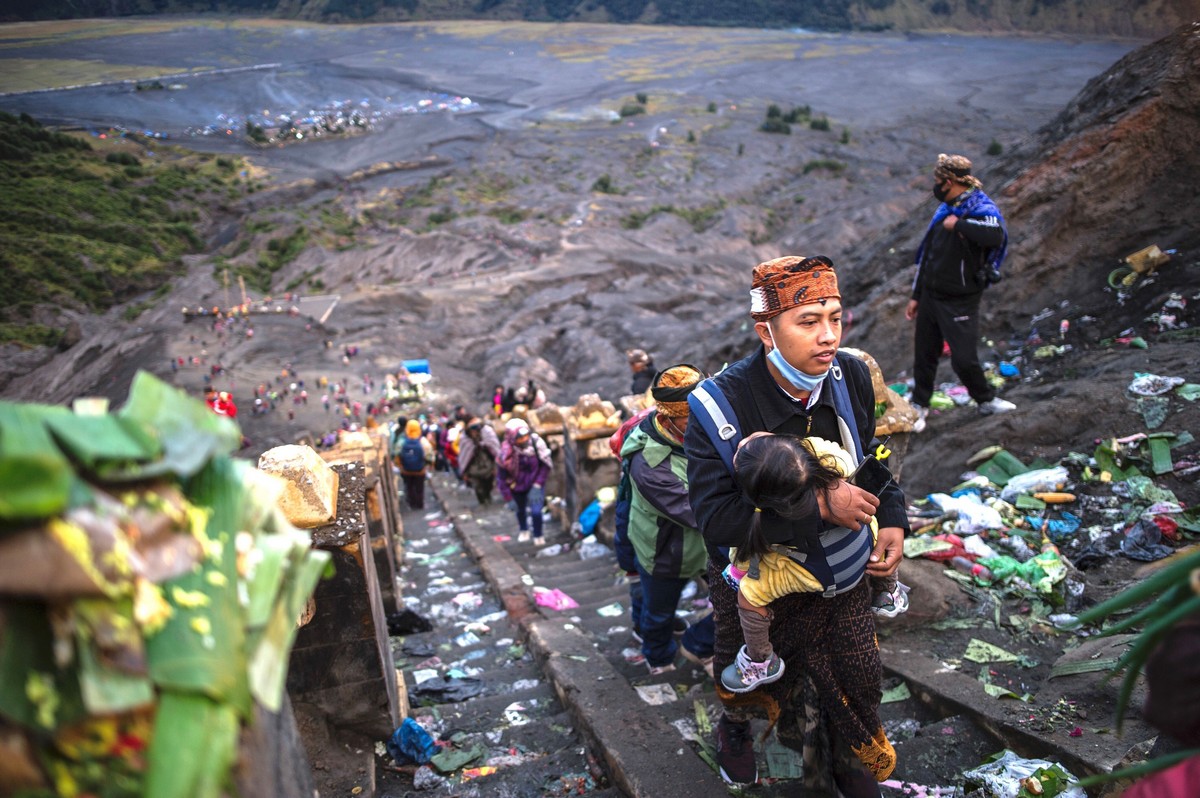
(1020, 549)
(1064, 327)
(971, 568)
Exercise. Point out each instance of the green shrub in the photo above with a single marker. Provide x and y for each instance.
(509, 215)
(631, 109)
(820, 123)
(845, 135)
(641, 98)
(773, 111)
(775, 125)
(604, 185)
(712, 108)
(830, 165)
(995, 148)
(123, 158)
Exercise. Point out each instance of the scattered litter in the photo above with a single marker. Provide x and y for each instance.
(406, 622)
(427, 779)
(424, 675)
(474, 773)
(657, 694)
(554, 599)
(920, 790)
(614, 610)
(411, 744)
(1153, 384)
(592, 551)
(466, 639)
(1143, 542)
(898, 693)
(451, 759)
(982, 651)
(782, 762)
(1006, 775)
(502, 538)
(449, 689)
(550, 551)
(468, 601)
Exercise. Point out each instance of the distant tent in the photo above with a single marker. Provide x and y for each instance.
(415, 366)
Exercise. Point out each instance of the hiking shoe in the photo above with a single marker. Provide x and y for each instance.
(996, 405)
(745, 674)
(523, 536)
(889, 605)
(922, 413)
(636, 634)
(704, 662)
(735, 752)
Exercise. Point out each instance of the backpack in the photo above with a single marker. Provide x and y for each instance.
(412, 456)
(710, 407)
(712, 410)
(626, 558)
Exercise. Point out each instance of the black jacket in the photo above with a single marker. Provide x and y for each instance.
(722, 512)
(952, 261)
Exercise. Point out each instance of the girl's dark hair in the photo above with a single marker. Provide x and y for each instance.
(781, 476)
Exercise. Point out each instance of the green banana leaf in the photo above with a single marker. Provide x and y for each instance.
(269, 660)
(193, 748)
(34, 692)
(35, 477)
(188, 431)
(99, 441)
(120, 684)
(202, 646)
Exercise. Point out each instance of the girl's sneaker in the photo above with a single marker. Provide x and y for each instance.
(890, 604)
(745, 674)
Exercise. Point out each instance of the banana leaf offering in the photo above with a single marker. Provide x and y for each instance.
(149, 596)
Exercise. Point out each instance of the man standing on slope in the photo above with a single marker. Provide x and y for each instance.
(959, 257)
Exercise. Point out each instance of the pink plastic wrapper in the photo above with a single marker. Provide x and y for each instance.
(556, 600)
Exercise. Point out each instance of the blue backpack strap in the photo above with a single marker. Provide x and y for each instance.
(845, 411)
(709, 406)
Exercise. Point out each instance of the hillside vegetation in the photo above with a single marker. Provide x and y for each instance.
(1137, 18)
(88, 223)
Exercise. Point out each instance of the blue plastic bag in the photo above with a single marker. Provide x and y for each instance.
(411, 744)
(589, 518)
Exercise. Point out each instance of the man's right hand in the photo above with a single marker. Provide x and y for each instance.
(910, 312)
(848, 505)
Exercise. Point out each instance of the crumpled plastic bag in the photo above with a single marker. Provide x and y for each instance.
(1143, 542)
(451, 688)
(973, 515)
(1002, 778)
(554, 599)
(1041, 479)
(411, 744)
(1153, 384)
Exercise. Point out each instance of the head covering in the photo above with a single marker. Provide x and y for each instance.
(517, 427)
(956, 168)
(786, 282)
(412, 428)
(671, 387)
(475, 423)
(635, 356)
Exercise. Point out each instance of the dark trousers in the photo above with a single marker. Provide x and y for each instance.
(660, 600)
(414, 490)
(529, 507)
(955, 322)
(483, 488)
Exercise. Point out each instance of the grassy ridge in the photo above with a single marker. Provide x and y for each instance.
(91, 225)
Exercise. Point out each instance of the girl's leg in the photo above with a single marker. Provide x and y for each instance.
(756, 628)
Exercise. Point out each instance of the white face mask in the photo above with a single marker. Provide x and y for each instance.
(797, 378)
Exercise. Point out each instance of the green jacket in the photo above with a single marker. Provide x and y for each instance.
(662, 526)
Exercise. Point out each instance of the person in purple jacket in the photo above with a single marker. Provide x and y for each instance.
(521, 472)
